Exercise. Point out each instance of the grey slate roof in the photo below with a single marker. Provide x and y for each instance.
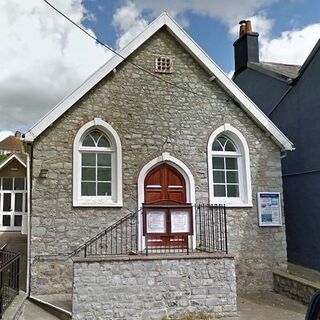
(286, 70)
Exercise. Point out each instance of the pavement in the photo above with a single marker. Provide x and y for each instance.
(258, 306)
(268, 306)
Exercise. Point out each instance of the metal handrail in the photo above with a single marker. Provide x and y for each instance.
(131, 216)
(122, 237)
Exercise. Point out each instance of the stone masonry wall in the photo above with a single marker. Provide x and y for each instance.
(147, 113)
(152, 288)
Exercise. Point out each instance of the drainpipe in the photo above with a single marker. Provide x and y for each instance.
(29, 224)
(28, 153)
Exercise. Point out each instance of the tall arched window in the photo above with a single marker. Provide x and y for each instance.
(96, 165)
(225, 168)
(229, 168)
(97, 178)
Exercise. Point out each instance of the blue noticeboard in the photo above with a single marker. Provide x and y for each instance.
(269, 209)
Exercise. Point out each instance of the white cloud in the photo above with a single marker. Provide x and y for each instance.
(4, 134)
(129, 23)
(292, 46)
(42, 58)
(228, 11)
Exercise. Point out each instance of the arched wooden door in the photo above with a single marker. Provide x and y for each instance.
(164, 183)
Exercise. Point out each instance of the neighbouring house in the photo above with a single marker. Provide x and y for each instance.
(13, 192)
(13, 184)
(11, 144)
(125, 175)
(289, 95)
(14, 200)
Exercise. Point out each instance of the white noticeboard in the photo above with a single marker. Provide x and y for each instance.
(269, 209)
(180, 221)
(156, 222)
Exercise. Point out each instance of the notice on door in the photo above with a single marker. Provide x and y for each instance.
(269, 209)
(156, 222)
(180, 221)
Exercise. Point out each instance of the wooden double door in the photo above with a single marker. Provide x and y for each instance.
(165, 185)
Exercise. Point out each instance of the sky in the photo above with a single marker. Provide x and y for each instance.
(43, 57)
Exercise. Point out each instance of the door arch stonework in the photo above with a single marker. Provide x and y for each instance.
(175, 163)
(183, 171)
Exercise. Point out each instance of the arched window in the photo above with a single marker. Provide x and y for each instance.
(229, 168)
(225, 168)
(96, 165)
(97, 178)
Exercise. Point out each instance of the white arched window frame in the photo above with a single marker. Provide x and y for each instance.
(243, 165)
(115, 150)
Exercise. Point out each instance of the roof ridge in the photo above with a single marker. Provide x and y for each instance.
(280, 63)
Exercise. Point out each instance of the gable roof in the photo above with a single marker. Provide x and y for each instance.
(11, 143)
(283, 71)
(10, 158)
(286, 71)
(164, 20)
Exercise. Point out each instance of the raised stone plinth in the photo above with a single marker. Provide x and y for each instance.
(153, 287)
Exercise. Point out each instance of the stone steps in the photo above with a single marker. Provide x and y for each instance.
(296, 287)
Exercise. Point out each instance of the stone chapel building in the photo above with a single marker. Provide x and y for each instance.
(159, 121)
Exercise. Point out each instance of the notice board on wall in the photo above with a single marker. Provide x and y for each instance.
(269, 209)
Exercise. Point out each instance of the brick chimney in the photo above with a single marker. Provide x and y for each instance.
(246, 48)
(18, 134)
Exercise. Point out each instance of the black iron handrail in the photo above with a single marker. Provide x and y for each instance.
(118, 239)
(9, 278)
(123, 237)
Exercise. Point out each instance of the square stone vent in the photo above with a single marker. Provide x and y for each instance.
(163, 64)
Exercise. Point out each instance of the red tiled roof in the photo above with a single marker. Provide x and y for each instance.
(11, 143)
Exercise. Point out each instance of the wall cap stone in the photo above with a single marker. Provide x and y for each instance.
(213, 256)
(308, 283)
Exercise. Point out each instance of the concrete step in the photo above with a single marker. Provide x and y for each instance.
(59, 305)
(304, 272)
(32, 311)
(296, 287)
(50, 307)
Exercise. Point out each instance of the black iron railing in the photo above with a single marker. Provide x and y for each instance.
(125, 237)
(211, 228)
(209, 234)
(121, 238)
(9, 278)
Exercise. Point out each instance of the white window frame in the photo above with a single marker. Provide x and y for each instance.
(115, 200)
(12, 213)
(245, 189)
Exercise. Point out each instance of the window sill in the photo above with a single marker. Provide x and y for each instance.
(97, 203)
(240, 205)
(232, 204)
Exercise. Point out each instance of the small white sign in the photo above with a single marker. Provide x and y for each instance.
(156, 222)
(180, 221)
(269, 209)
